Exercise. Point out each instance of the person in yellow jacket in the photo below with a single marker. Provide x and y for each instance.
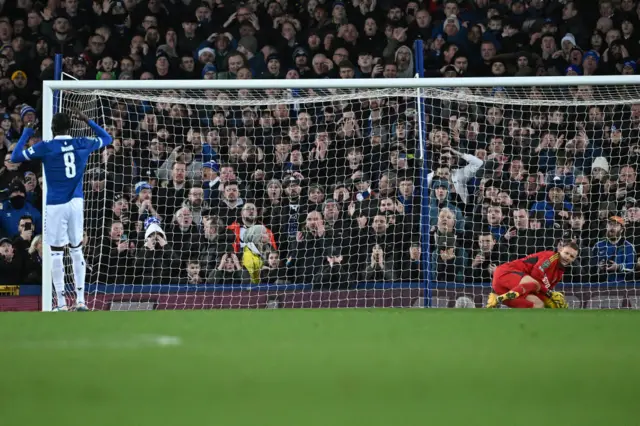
(255, 251)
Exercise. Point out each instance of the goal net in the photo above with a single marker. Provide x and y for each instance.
(368, 197)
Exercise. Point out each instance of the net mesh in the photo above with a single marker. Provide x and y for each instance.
(347, 198)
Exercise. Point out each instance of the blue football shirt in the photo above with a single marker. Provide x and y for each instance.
(64, 159)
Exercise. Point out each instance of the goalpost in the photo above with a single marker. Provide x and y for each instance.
(353, 193)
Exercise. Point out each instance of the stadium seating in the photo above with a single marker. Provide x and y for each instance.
(271, 153)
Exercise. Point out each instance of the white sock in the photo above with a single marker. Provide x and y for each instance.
(79, 272)
(57, 273)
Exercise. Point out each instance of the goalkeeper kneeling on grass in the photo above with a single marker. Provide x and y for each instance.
(529, 282)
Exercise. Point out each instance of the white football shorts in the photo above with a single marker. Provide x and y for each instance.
(64, 223)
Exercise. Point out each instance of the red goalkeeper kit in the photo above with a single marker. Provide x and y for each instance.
(544, 267)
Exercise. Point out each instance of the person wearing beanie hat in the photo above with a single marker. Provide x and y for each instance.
(629, 67)
(599, 168)
(274, 67)
(211, 165)
(156, 256)
(18, 74)
(568, 42)
(142, 186)
(79, 67)
(590, 62)
(163, 67)
(206, 55)
(451, 25)
(28, 114)
(209, 72)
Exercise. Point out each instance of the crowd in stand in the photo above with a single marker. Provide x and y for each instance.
(329, 192)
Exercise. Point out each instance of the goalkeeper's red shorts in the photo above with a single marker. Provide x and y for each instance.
(505, 279)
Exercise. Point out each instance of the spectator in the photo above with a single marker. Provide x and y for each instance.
(230, 205)
(33, 263)
(170, 195)
(459, 176)
(11, 263)
(155, 262)
(193, 273)
(310, 244)
(411, 267)
(10, 172)
(380, 267)
(26, 229)
(229, 271)
(272, 272)
(114, 255)
(556, 209)
(183, 234)
(15, 208)
(613, 256)
(353, 166)
(196, 203)
(258, 242)
(525, 236)
(333, 275)
(448, 260)
(439, 201)
(144, 202)
(486, 258)
(492, 222)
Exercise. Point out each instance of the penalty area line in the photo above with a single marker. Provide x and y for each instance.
(124, 342)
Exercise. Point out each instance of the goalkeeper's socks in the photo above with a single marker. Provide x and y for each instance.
(57, 274)
(79, 272)
(525, 288)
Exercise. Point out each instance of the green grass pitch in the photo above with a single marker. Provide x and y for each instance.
(320, 367)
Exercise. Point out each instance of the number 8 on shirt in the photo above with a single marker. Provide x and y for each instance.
(64, 159)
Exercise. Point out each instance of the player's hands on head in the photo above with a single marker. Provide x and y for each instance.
(80, 115)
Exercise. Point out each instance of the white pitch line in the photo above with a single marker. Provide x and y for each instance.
(127, 342)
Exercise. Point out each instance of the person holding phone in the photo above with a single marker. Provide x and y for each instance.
(26, 234)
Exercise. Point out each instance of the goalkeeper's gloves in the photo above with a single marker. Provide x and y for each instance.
(555, 300)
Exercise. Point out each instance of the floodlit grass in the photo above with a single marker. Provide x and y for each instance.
(320, 367)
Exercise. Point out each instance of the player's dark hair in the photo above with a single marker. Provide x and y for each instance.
(26, 217)
(60, 124)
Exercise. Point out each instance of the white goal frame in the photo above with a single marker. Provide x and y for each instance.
(49, 87)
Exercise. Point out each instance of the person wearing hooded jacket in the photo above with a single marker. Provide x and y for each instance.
(406, 68)
(16, 207)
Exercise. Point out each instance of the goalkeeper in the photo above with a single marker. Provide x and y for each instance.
(529, 282)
